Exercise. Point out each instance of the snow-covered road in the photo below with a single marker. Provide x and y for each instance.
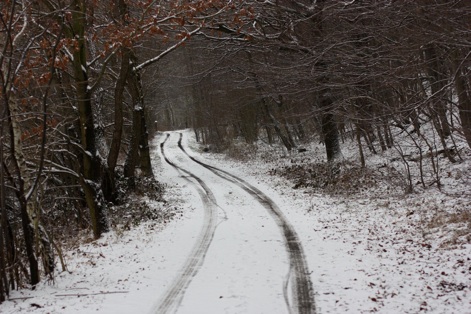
(247, 257)
(226, 249)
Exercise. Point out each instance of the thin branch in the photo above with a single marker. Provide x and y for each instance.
(167, 51)
(85, 294)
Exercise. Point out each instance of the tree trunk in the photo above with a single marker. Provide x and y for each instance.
(269, 134)
(438, 82)
(284, 123)
(278, 128)
(464, 102)
(382, 143)
(329, 129)
(300, 129)
(118, 111)
(3, 274)
(10, 115)
(92, 166)
(28, 216)
(5, 261)
(138, 153)
(388, 135)
(133, 150)
(144, 149)
(360, 146)
(108, 182)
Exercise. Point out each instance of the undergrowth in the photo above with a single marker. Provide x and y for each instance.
(137, 202)
(443, 213)
(344, 178)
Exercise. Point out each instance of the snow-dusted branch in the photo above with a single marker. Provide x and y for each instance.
(166, 51)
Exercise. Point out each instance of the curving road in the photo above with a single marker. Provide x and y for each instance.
(175, 292)
(247, 257)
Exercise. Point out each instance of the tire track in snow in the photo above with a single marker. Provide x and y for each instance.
(302, 300)
(174, 295)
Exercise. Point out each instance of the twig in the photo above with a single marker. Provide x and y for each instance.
(85, 294)
(20, 298)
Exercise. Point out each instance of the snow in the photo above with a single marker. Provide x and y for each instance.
(378, 255)
(365, 253)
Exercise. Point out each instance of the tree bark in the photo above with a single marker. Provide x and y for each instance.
(20, 169)
(438, 87)
(360, 146)
(119, 12)
(5, 240)
(277, 126)
(464, 102)
(138, 153)
(329, 128)
(285, 124)
(91, 164)
(108, 182)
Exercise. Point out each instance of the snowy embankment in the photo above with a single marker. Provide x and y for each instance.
(373, 250)
(367, 252)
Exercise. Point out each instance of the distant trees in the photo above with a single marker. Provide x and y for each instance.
(366, 69)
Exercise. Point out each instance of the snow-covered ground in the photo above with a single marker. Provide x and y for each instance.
(385, 253)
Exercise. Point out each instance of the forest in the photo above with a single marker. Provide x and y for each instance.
(86, 84)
